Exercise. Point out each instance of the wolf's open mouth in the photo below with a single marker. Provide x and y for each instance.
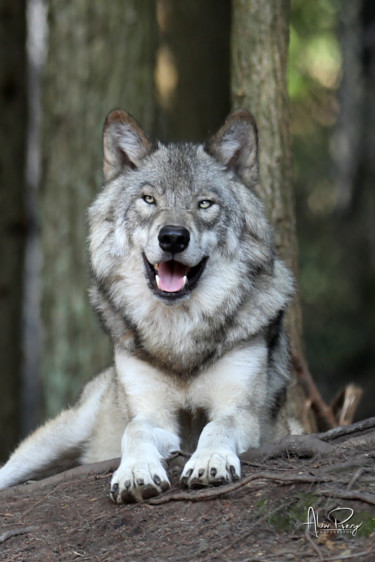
(172, 279)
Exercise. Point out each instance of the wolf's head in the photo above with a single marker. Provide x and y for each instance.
(181, 219)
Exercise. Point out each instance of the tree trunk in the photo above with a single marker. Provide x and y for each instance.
(260, 37)
(192, 73)
(100, 56)
(13, 122)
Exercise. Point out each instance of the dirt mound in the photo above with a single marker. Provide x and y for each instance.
(311, 497)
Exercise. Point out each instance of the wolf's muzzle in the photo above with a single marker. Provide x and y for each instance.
(171, 280)
(174, 239)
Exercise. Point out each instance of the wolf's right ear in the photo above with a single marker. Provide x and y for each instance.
(236, 146)
(125, 144)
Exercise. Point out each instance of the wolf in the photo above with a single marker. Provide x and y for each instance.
(187, 284)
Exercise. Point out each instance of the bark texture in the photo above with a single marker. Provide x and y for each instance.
(100, 56)
(260, 38)
(13, 121)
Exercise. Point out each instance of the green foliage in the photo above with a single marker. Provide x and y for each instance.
(315, 56)
(367, 522)
(291, 517)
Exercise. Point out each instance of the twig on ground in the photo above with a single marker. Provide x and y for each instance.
(34, 505)
(350, 556)
(211, 493)
(14, 533)
(363, 497)
(313, 545)
(361, 461)
(358, 473)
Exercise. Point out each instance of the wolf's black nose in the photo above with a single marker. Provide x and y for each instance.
(174, 239)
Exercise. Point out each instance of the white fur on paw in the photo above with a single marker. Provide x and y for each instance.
(136, 480)
(211, 468)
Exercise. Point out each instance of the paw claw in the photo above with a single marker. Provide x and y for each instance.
(196, 484)
(165, 486)
(233, 473)
(211, 468)
(135, 481)
(149, 492)
(219, 481)
(127, 497)
(114, 492)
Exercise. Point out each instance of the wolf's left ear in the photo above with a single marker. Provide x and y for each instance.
(125, 144)
(236, 146)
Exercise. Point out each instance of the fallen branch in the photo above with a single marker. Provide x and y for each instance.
(367, 498)
(324, 414)
(345, 430)
(307, 446)
(345, 404)
(211, 493)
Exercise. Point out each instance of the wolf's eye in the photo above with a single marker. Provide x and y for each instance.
(149, 199)
(205, 204)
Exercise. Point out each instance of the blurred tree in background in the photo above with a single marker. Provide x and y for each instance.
(100, 56)
(332, 93)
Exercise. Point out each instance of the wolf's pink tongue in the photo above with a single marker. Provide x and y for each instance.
(171, 276)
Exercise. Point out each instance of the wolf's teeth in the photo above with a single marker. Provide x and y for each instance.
(184, 281)
(156, 266)
(157, 279)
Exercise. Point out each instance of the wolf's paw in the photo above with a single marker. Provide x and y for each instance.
(136, 481)
(211, 468)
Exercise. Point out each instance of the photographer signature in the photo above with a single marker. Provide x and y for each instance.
(338, 522)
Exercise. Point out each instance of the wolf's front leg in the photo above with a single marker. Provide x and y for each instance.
(141, 473)
(215, 460)
(150, 436)
(233, 394)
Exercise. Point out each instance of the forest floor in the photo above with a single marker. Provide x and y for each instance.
(282, 509)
